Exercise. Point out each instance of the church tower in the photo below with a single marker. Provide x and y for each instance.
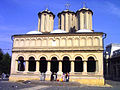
(45, 21)
(66, 20)
(84, 19)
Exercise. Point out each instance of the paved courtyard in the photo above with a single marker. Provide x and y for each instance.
(52, 85)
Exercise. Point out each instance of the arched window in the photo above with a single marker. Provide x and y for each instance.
(54, 65)
(91, 65)
(21, 64)
(43, 65)
(32, 64)
(66, 65)
(78, 64)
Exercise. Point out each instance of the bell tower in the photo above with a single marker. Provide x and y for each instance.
(66, 19)
(45, 21)
(84, 18)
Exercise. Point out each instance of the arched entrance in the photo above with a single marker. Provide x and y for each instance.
(78, 64)
(43, 65)
(91, 65)
(54, 65)
(66, 65)
(21, 64)
(32, 64)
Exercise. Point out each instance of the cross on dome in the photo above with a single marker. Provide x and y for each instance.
(84, 4)
(67, 6)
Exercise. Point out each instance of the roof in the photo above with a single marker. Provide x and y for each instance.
(66, 11)
(58, 31)
(84, 30)
(84, 9)
(34, 32)
(46, 11)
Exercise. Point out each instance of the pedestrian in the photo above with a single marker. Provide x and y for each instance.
(3, 76)
(67, 77)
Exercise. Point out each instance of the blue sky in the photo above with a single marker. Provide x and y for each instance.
(20, 17)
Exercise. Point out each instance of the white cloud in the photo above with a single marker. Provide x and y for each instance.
(112, 8)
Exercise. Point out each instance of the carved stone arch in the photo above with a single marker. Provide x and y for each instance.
(31, 55)
(63, 43)
(91, 55)
(57, 41)
(76, 41)
(89, 41)
(43, 55)
(96, 41)
(54, 55)
(66, 55)
(20, 56)
(45, 42)
(39, 42)
(16, 42)
(50, 41)
(22, 42)
(79, 55)
(27, 43)
(32, 42)
(70, 42)
(83, 41)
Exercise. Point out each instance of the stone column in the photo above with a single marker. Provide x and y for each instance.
(39, 23)
(48, 68)
(87, 20)
(62, 22)
(66, 22)
(52, 22)
(16, 65)
(72, 67)
(26, 66)
(90, 21)
(47, 23)
(42, 23)
(97, 66)
(60, 68)
(37, 67)
(81, 20)
(84, 68)
(59, 23)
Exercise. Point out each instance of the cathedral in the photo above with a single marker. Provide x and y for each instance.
(73, 48)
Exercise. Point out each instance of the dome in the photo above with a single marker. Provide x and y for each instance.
(34, 32)
(46, 11)
(84, 30)
(58, 31)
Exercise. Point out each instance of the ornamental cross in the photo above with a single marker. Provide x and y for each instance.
(67, 6)
(84, 4)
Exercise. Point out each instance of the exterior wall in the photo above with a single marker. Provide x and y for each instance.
(84, 19)
(74, 40)
(60, 45)
(66, 21)
(45, 23)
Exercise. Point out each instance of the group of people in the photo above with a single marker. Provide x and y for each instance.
(64, 77)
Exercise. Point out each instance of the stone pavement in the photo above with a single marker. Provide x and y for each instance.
(52, 85)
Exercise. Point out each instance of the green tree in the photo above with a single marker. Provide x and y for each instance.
(1, 57)
(5, 63)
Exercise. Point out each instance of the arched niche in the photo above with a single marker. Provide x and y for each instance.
(21, 64)
(32, 64)
(91, 64)
(78, 64)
